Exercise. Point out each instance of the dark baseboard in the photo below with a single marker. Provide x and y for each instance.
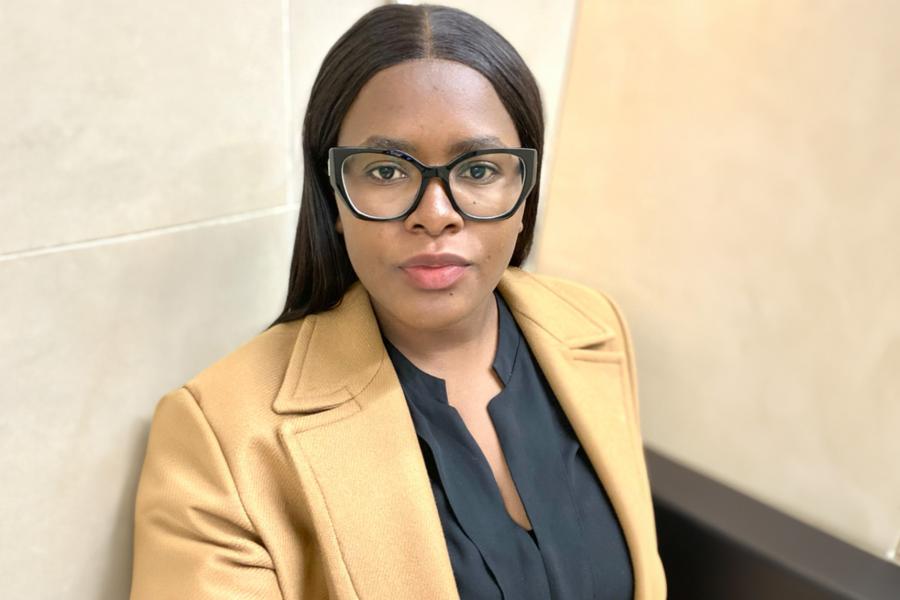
(717, 543)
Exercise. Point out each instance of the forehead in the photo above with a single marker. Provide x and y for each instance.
(432, 106)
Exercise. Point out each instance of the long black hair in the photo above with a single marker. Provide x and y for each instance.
(320, 269)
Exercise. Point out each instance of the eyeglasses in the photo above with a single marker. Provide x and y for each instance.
(387, 185)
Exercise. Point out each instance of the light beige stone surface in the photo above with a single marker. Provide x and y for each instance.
(89, 342)
(728, 172)
(118, 117)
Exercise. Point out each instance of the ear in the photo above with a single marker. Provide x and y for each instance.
(521, 226)
(338, 226)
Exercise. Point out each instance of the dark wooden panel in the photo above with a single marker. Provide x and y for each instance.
(718, 543)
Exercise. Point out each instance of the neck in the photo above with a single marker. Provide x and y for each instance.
(467, 344)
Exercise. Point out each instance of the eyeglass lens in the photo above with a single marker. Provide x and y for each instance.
(383, 186)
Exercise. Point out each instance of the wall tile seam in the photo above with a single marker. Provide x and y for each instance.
(287, 85)
(150, 233)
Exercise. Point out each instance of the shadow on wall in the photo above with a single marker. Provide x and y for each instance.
(116, 582)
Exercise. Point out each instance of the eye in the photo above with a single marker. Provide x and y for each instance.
(386, 173)
(479, 172)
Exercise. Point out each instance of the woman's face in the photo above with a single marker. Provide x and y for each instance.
(431, 109)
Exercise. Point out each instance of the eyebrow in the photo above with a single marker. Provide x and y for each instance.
(466, 145)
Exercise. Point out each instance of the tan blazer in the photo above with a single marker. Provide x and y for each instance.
(290, 469)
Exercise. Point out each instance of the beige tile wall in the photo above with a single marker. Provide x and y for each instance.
(148, 195)
(728, 172)
(122, 117)
(90, 338)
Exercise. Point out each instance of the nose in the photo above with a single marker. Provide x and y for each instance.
(435, 214)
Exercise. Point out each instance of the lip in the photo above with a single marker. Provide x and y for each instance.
(435, 260)
(435, 271)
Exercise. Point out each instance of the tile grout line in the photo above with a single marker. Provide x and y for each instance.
(149, 233)
(288, 99)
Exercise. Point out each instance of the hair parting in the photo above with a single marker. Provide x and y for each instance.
(388, 35)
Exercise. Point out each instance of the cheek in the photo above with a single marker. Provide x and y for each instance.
(501, 244)
(353, 235)
(512, 230)
(367, 246)
(359, 246)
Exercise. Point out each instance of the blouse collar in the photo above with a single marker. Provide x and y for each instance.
(509, 339)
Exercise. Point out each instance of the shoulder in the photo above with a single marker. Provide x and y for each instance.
(240, 387)
(595, 304)
(578, 315)
(579, 294)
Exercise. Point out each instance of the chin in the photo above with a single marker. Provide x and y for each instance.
(437, 309)
(428, 309)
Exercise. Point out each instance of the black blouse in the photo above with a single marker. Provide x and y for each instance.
(575, 549)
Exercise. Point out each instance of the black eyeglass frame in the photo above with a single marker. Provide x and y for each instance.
(338, 154)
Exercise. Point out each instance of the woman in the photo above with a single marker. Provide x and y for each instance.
(425, 420)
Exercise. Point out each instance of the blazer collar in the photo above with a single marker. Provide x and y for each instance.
(348, 335)
(336, 355)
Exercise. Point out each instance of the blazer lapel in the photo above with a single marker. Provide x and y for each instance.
(353, 444)
(589, 378)
(355, 450)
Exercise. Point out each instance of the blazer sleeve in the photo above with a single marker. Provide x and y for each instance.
(192, 536)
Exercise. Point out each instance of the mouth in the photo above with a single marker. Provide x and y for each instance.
(435, 271)
(444, 259)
